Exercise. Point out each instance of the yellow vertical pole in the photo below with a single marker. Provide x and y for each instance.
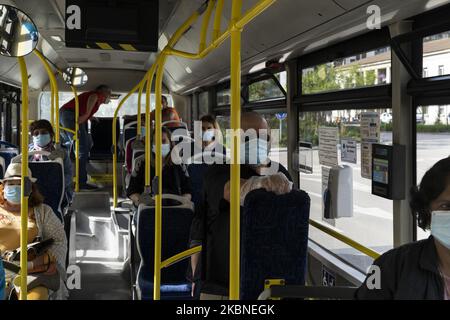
(77, 140)
(114, 139)
(24, 196)
(56, 126)
(158, 174)
(55, 94)
(52, 109)
(148, 125)
(139, 122)
(235, 147)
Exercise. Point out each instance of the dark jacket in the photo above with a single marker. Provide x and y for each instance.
(407, 273)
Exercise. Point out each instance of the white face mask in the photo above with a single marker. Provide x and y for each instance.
(165, 149)
(440, 227)
(208, 135)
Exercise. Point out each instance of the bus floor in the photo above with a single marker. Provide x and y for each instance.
(99, 250)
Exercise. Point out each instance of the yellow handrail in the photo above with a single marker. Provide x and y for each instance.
(235, 28)
(205, 23)
(68, 130)
(24, 178)
(367, 251)
(180, 256)
(217, 20)
(139, 122)
(114, 139)
(55, 94)
(235, 170)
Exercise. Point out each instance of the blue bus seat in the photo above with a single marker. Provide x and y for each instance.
(101, 134)
(274, 241)
(50, 180)
(176, 223)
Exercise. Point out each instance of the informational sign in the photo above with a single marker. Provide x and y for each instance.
(370, 127)
(349, 150)
(366, 160)
(370, 134)
(328, 144)
(305, 155)
(281, 116)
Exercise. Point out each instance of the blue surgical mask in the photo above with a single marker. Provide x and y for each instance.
(42, 140)
(12, 193)
(254, 152)
(143, 131)
(208, 135)
(440, 227)
(165, 149)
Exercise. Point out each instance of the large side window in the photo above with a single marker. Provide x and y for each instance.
(366, 69)
(372, 220)
(436, 55)
(106, 110)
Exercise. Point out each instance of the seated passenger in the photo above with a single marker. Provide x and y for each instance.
(175, 179)
(43, 140)
(211, 134)
(257, 171)
(43, 224)
(420, 270)
(130, 144)
(168, 113)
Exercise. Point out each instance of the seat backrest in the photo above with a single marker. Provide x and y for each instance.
(101, 134)
(50, 181)
(2, 167)
(274, 240)
(129, 132)
(176, 223)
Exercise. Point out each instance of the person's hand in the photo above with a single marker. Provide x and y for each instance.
(278, 183)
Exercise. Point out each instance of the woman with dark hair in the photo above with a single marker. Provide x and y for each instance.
(175, 179)
(43, 224)
(44, 140)
(420, 270)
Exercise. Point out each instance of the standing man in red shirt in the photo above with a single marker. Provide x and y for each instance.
(89, 103)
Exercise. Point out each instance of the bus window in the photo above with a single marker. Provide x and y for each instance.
(436, 55)
(363, 70)
(267, 89)
(106, 110)
(433, 142)
(224, 97)
(203, 104)
(372, 221)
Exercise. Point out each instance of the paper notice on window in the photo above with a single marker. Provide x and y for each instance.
(366, 160)
(349, 150)
(328, 143)
(370, 134)
(370, 127)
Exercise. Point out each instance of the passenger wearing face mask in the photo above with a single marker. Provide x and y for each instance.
(43, 140)
(42, 223)
(420, 270)
(257, 172)
(175, 179)
(211, 134)
(130, 144)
